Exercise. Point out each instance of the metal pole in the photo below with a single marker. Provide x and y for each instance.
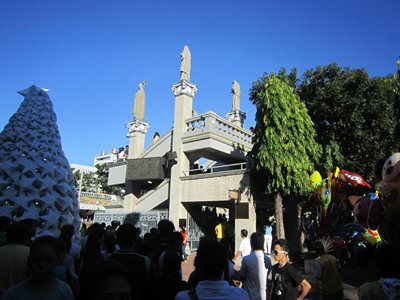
(80, 186)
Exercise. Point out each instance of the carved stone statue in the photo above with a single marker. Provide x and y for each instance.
(236, 95)
(140, 101)
(186, 61)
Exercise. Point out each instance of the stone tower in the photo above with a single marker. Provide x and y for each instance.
(36, 181)
(137, 129)
(184, 92)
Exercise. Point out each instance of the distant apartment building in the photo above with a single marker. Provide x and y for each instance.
(82, 168)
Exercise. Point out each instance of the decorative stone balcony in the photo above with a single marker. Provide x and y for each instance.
(207, 135)
(222, 129)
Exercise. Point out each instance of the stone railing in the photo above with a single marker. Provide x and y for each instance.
(210, 122)
(216, 169)
(145, 220)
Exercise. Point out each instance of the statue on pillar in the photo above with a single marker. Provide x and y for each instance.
(139, 102)
(236, 96)
(186, 61)
(236, 116)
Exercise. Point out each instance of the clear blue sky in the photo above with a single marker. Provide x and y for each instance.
(92, 55)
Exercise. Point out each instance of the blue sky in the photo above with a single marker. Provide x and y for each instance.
(92, 55)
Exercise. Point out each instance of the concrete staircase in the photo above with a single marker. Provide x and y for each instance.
(153, 198)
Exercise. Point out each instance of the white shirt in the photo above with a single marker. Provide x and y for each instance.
(245, 247)
(255, 270)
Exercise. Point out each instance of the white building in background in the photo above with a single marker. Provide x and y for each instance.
(105, 158)
(82, 168)
(109, 158)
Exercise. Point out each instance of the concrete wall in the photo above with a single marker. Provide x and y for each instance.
(209, 187)
(215, 187)
(117, 174)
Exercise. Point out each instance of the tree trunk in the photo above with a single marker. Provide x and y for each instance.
(299, 228)
(291, 225)
(280, 229)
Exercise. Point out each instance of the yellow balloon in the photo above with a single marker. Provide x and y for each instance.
(316, 180)
(371, 236)
(336, 175)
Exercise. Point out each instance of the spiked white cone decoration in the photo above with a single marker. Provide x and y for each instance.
(328, 244)
(36, 181)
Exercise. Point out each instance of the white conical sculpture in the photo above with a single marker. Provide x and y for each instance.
(36, 181)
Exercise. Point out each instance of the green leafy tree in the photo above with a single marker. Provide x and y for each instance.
(396, 89)
(284, 147)
(77, 177)
(89, 181)
(354, 116)
(102, 178)
(331, 154)
(290, 78)
(96, 182)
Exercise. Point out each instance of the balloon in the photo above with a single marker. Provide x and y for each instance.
(362, 210)
(389, 193)
(375, 234)
(391, 185)
(316, 180)
(325, 194)
(371, 237)
(391, 169)
(374, 213)
(336, 173)
(353, 179)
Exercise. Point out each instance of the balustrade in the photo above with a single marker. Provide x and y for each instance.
(212, 123)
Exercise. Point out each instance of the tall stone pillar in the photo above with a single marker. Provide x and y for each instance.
(137, 129)
(184, 92)
(236, 117)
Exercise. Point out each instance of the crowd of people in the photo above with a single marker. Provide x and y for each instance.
(115, 262)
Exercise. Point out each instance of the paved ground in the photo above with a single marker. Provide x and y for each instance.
(352, 276)
(188, 266)
(356, 275)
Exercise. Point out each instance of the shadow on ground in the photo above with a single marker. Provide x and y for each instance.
(355, 275)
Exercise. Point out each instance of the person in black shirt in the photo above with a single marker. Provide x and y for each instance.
(285, 278)
(139, 266)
